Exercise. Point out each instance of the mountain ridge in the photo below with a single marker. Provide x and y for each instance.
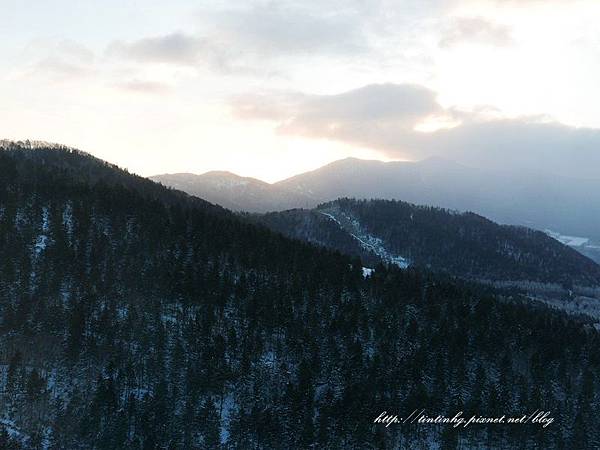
(463, 244)
(518, 198)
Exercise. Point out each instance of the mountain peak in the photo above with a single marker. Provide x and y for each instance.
(352, 161)
(226, 175)
(221, 173)
(203, 184)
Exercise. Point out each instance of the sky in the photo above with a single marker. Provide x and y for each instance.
(270, 89)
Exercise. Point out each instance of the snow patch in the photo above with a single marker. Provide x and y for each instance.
(367, 240)
(67, 219)
(42, 240)
(41, 243)
(375, 244)
(13, 431)
(571, 241)
(227, 410)
(140, 393)
(367, 272)
(332, 218)
(45, 219)
(268, 359)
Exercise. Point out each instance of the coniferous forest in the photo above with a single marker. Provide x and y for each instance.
(462, 244)
(136, 317)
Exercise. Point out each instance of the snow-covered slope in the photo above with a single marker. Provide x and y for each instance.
(584, 245)
(366, 240)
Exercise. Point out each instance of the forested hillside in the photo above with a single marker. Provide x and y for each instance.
(134, 317)
(461, 244)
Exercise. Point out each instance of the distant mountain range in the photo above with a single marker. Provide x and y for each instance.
(565, 207)
(236, 193)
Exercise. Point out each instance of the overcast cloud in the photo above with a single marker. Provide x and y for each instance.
(386, 117)
(475, 30)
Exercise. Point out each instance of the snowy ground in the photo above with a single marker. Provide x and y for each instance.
(584, 245)
(572, 241)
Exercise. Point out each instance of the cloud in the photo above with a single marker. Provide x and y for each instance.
(376, 116)
(386, 117)
(402, 104)
(143, 87)
(286, 29)
(247, 39)
(75, 51)
(59, 68)
(180, 49)
(56, 60)
(518, 144)
(475, 30)
(175, 48)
